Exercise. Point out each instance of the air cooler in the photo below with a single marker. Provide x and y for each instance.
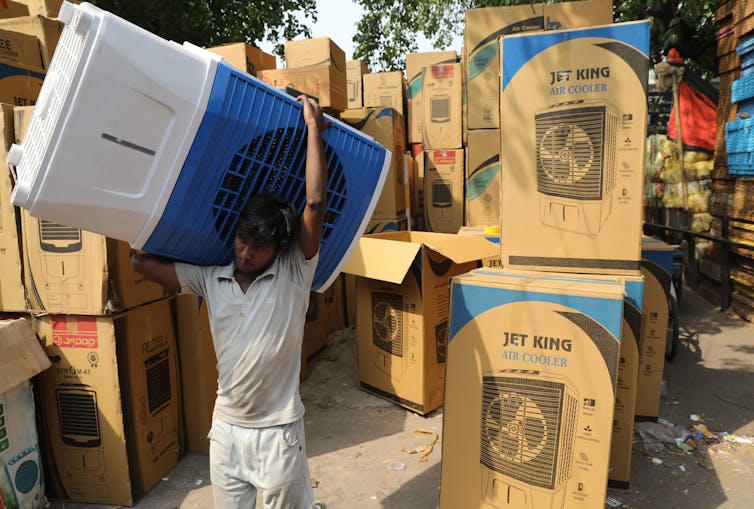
(161, 145)
(576, 157)
(80, 429)
(528, 426)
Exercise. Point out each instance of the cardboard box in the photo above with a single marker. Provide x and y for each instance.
(324, 82)
(319, 51)
(417, 196)
(315, 327)
(335, 306)
(355, 70)
(49, 8)
(443, 111)
(402, 323)
(483, 178)
(111, 402)
(73, 271)
(621, 446)
(485, 25)
(11, 9)
(198, 368)
(12, 296)
(20, 84)
(657, 257)
(385, 89)
(491, 234)
(22, 482)
(530, 390)
(415, 62)
(244, 57)
(45, 29)
(398, 224)
(443, 190)
(16, 47)
(386, 126)
(573, 142)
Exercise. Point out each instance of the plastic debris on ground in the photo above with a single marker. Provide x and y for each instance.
(396, 465)
(613, 502)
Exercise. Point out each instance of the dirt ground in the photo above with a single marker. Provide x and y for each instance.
(357, 443)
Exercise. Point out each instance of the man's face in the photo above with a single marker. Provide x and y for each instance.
(250, 257)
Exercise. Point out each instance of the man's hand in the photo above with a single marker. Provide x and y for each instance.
(313, 116)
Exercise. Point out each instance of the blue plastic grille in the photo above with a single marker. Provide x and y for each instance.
(253, 140)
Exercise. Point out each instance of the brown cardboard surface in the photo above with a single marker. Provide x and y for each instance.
(245, 57)
(198, 367)
(335, 305)
(574, 210)
(355, 70)
(529, 393)
(12, 296)
(415, 62)
(443, 189)
(653, 340)
(324, 82)
(49, 8)
(315, 327)
(319, 51)
(23, 356)
(482, 178)
(402, 317)
(20, 48)
(483, 27)
(386, 126)
(492, 234)
(385, 89)
(45, 29)
(417, 201)
(111, 402)
(441, 106)
(11, 9)
(20, 84)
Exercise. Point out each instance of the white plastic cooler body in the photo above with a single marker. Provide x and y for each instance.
(115, 135)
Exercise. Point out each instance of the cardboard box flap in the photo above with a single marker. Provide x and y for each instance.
(459, 248)
(22, 355)
(382, 258)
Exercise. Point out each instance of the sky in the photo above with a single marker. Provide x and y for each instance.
(337, 20)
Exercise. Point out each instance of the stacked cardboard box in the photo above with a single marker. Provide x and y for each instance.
(111, 338)
(244, 57)
(355, 71)
(316, 67)
(572, 120)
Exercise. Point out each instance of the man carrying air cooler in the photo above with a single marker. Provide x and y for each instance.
(257, 309)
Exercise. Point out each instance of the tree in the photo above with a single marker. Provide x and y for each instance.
(213, 22)
(388, 28)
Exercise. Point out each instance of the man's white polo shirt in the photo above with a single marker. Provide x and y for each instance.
(257, 336)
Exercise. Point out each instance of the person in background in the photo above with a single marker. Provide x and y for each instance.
(257, 308)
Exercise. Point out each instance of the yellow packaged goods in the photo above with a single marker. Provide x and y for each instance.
(319, 51)
(415, 63)
(110, 402)
(574, 116)
(244, 57)
(402, 300)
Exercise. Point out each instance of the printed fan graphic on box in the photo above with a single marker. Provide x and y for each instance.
(118, 146)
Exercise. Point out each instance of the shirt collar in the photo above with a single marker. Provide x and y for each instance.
(229, 271)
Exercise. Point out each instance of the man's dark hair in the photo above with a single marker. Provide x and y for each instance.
(267, 219)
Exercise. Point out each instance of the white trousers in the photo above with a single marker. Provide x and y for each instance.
(271, 461)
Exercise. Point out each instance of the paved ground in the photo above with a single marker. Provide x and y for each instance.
(356, 440)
